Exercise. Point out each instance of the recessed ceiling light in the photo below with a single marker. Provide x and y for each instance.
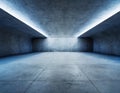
(104, 15)
(21, 17)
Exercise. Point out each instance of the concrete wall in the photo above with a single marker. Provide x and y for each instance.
(15, 36)
(106, 36)
(62, 44)
(12, 43)
(107, 42)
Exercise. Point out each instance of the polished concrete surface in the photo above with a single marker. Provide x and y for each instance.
(60, 72)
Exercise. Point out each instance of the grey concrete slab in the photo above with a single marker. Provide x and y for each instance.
(62, 87)
(21, 74)
(60, 72)
(101, 71)
(14, 87)
(94, 73)
(19, 68)
(108, 86)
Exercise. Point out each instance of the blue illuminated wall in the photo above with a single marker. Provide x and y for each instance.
(62, 44)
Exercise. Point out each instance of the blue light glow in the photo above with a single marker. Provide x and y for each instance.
(102, 16)
(21, 17)
(61, 44)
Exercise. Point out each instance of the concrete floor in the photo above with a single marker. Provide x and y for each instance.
(60, 72)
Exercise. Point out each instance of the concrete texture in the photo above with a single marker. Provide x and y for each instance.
(12, 24)
(110, 24)
(60, 72)
(107, 36)
(15, 36)
(60, 18)
(12, 43)
(13, 40)
(107, 42)
(62, 44)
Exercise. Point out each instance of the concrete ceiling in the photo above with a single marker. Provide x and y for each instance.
(10, 24)
(111, 24)
(60, 18)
